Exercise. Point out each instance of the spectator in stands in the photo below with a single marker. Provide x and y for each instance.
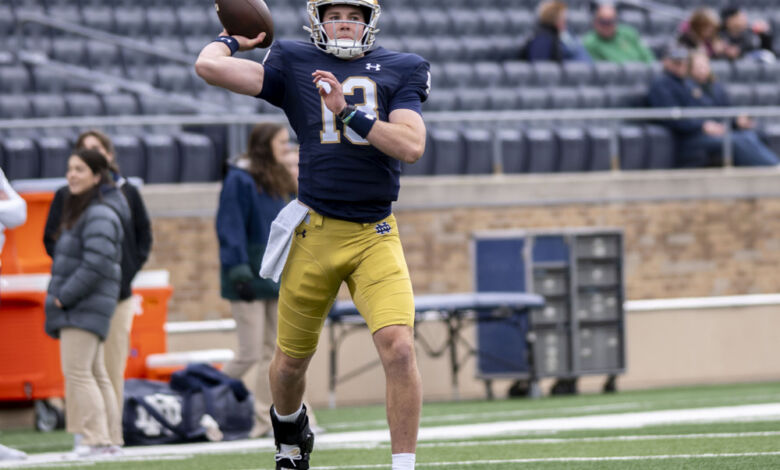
(550, 40)
(613, 42)
(743, 39)
(748, 150)
(13, 209)
(82, 296)
(256, 187)
(136, 245)
(701, 32)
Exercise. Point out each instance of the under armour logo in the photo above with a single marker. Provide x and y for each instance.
(302, 233)
(375, 67)
(383, 228)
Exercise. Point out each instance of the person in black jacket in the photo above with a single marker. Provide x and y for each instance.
(745, 39)
(82, 296)
(136, 246)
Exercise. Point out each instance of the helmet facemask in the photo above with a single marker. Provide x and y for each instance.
(344, 48)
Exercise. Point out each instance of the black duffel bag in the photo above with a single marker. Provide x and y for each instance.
(201, 403)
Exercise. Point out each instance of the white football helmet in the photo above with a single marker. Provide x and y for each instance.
(343, 48)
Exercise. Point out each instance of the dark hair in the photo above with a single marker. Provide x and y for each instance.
(728, 11)
(104, 140)
(270, 176)
(76, 204)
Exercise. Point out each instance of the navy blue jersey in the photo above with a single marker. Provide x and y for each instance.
(341, 174)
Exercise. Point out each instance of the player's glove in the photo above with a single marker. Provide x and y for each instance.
(244, 290)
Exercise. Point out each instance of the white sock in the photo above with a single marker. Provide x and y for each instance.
(289, 418)
(403, 462)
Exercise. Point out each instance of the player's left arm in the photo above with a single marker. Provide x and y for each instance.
(401, 137)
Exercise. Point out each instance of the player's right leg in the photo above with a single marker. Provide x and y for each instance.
(310, 282)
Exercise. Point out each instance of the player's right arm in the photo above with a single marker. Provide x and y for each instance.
(216, 66)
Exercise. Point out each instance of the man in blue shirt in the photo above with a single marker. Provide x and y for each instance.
(357, 113)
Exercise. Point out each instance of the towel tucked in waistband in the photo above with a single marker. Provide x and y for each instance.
(280, 239)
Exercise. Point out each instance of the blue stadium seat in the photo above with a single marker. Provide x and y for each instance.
(196, 20)
(162, 20)
(194, 43)
(722, 70)
(635, 73)
(411, 21)
(770, 72)
(631, 144)
(459, 74)
(142, 73)
(449, 153)
(99, 17)
(31, 30)
(542, 151)
(474, 48)
(479, 151)
(175, 78)
(746, 71)
(502, 98)
(488, 74)
(46, 105)
(576, 73)
(199, 162)
(607, 73)
(635, 19)
(130, 155)
(572, 149)
(131, 21)
(15, 107)
(771, 135)
(592, 97)
(766, 94)
(120, 104)
(423, 46)
(740, 94)
(103, 55)
(47, 80)
(54, 153)
(599, 148)
(578, 21)
(465, 22)
(472, 99)
(7, 21)
(546, 73)
(66, 12)
(533, 98)
(21, 158)
(660, 147)
(423, 166)
(494, 21)
(83, 104)
(517, 73)
(14, 78)
(564, 98)
(435, 22)
(288, 22)
(625, 96)
(442, 100)
(661, 24)
(520, 19)
(70, 50)
(513, 151)
(164, 166)
(445, 49)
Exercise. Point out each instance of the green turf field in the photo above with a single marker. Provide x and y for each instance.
(739, 444)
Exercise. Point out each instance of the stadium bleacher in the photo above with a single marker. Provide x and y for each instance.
(472, 47)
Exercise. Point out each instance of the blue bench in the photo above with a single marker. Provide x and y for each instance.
(453, 309)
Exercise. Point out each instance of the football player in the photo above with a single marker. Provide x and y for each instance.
(356, 111)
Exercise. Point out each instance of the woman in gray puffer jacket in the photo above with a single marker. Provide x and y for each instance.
(81, 298)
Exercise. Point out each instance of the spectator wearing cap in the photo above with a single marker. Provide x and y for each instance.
(707, 91)
(744, 39)
(701, 32)
(612, 42)
(551, 41)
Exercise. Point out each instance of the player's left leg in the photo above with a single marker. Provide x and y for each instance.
(382, 291)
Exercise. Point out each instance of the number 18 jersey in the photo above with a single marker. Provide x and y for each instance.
(341, 174)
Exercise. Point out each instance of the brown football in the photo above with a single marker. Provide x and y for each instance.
(246, 18)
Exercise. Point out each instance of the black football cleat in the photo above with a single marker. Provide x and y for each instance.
(297, 434)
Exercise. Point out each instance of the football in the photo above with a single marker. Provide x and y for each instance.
(246, 18)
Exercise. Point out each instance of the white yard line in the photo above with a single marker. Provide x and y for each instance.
(562, 460)
(769, 411)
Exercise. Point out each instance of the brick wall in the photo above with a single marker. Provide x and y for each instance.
(674, 247)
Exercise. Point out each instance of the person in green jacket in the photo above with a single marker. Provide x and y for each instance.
(613, 42)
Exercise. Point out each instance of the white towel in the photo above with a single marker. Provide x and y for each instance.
(280, 239)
